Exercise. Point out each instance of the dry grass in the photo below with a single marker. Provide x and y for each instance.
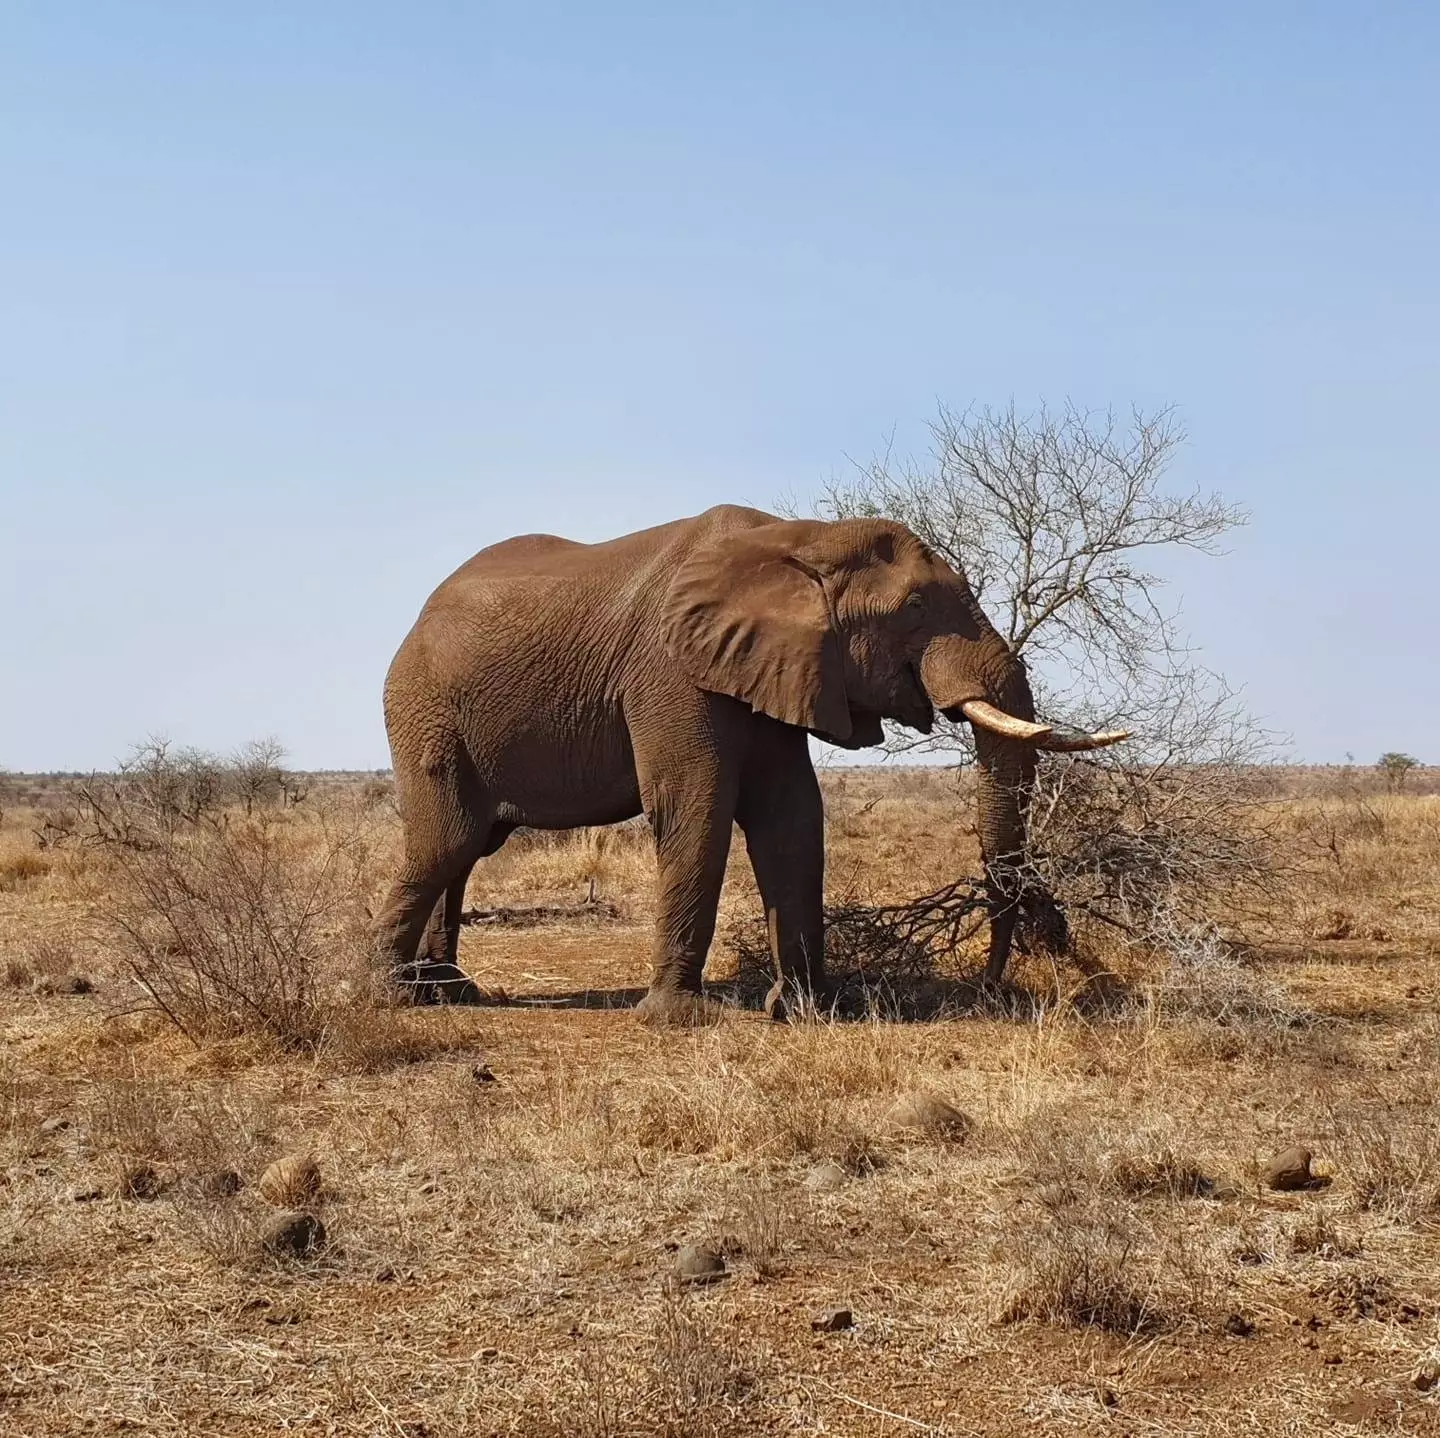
(1097, 1256)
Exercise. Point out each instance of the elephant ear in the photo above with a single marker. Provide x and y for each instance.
(746, 616)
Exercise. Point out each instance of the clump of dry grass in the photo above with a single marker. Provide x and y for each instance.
(1318, 1234)
(698, 1378)
(1392, 1161)
(45, 962)
(20, 865)
(1093, 1241)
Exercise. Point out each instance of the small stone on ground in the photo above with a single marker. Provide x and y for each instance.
(140, 1181)
(294, 1235)
(221, 1183)
(832, 1320)
(927, 1115)
(1289, 1171)
(696, 1264)
(826, 1177)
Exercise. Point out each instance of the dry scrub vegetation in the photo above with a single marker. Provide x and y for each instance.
(185, 999)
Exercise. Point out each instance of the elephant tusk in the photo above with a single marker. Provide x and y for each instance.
(987, 716)
(1075, 743)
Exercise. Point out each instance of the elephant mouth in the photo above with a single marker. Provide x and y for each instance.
(913, 708)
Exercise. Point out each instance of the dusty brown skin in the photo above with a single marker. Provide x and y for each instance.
(679, 672)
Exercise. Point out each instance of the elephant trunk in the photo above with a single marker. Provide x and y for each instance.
(957, 672)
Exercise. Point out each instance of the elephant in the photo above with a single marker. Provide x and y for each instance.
(680, 672)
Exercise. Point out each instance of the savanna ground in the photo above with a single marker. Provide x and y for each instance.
(1098, 1253)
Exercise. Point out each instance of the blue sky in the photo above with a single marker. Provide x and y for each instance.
(302, 304)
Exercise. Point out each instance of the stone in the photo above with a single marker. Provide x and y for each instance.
(1289, 1171)
(221, 1183)
(1427, 1376)
(54, 1125)
(832, 1320)
(827, 1177)
(140, 1181)
(1238, 1326)
(697, 1264)
(294, 1235)
(291, 1181)
(87, 1193)
(926, 1115)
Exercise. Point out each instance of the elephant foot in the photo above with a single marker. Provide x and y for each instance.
(426, 983)
(677, 1009)
(788, 1001)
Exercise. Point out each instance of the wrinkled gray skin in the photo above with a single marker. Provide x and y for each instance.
(679, 672)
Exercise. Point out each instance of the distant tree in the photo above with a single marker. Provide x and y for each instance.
(1396, 767)
(258, 773)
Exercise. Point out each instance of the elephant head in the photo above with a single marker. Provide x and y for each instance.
(836, 626)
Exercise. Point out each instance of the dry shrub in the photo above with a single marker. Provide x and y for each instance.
(227, 921)
(1210, 981)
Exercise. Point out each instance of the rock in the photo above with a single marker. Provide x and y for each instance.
(1427, 1376)
(827, 1177)
(139, 1180)
(221, 1183)
(695, 1264)
(87, 1193)
(291, 1181)
(1238, 1326)
(294, 1235)
(927, 1115)
(54, 1125)
(832, 1320)
(1289, 1171)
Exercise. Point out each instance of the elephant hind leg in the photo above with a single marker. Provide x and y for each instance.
(439, 958)
(418, 930)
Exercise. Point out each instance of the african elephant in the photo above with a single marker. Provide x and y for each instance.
(680, 671)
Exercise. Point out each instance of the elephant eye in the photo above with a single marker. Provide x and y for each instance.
(915, 600)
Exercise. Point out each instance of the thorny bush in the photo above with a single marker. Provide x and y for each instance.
(227, 918)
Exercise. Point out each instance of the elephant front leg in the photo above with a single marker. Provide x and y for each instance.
(692, 843)
(783, 819)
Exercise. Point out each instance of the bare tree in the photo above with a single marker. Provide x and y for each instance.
(1061, 521)
(258, 773)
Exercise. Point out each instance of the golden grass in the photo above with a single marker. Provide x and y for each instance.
(503, 1187)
